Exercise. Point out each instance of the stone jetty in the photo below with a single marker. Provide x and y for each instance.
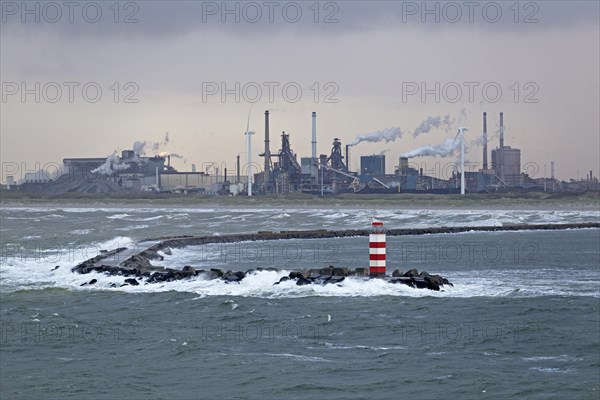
(137, 265)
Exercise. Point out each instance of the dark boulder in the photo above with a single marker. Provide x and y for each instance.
(230, 277)
(435, 280)
(419, 282)
(215, 273)
(92, 281)
(188, 271)
(240, 274)
(402, 280)
(295, 275)
(132, 281)
(396, 273)
(410, 273)
(314, 276)
(302, 281)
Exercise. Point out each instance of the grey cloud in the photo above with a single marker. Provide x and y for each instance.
(162, 19)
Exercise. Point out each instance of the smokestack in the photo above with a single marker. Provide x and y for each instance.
(348, 157)
(238, 169)
(267, 152)
(485, 160)
(502, 145)
(157, 181)
(314, 144)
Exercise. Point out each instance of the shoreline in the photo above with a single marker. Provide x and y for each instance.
(589, 201)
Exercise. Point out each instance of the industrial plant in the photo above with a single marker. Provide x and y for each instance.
(282, 172)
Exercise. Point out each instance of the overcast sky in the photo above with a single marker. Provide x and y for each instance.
(362, 66)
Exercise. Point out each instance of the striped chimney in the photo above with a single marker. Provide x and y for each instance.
(377, 249)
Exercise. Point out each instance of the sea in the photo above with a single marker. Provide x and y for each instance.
(521, 321)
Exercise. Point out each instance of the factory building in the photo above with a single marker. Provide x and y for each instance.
(507, 161)
(195, 182)
(373, 165)
(129, 164)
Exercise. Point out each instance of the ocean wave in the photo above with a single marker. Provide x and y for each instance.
(28, 275)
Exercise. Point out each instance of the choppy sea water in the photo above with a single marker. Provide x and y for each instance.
(522, 320)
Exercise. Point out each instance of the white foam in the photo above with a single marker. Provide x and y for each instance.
(118, 216)
(30, 274)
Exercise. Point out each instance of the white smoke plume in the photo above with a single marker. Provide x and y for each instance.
(111, 165)
(139, 147)
(389, 135)
(430, 123)
(445, 149)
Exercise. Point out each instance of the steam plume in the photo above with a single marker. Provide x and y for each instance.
(111, 165)
(443, 150)
(389, 135)
(430, 123)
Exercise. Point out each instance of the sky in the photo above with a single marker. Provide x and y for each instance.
(85, 79)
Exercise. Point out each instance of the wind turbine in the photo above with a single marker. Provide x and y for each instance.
(249, 134)
(461, 132)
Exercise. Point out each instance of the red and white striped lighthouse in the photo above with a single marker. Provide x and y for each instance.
(377, 249)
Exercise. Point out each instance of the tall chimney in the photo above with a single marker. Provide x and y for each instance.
(267, 153)
(267, 142)
(348, 157)
(502, 145)
(238, 169)
(314, 144)
(485, 160)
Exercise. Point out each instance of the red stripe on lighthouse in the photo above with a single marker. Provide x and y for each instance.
(377, 249)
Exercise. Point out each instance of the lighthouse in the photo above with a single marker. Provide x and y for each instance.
(377, 249)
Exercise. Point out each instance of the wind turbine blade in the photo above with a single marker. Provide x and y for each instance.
(455, 137)
(249, 112)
